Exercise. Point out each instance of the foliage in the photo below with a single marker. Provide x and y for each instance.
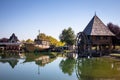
(30, 57)
(67, 66)
(42, 36)
(51, 39)
(97, 68)
(60, 43)
(67, 36)
(23, 41)
(54, 41)
(29, 41)
(115, 29)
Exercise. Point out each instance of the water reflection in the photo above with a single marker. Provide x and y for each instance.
(42, 60)
(98, 69)
(8, 58)
(39, 59)
(32, 66)
(67, 66)
(27, 66)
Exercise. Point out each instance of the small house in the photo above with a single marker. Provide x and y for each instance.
(41, 43)
(95, 38)
(11, 44)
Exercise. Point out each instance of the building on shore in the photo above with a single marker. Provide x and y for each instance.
(95, 38)
(38, 45)
(39, 42)
(11, 44)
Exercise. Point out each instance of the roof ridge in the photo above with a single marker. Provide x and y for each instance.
(97, 27)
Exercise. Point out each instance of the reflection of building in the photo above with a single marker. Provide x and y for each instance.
(10, 44)
(42, 60)
(13, 62)
(12, 59)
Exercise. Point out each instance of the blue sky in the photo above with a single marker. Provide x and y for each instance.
(26, 17)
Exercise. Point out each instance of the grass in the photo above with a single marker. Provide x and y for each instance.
(117, 47)
(115, 55)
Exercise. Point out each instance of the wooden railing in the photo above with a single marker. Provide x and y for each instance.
(101, 41)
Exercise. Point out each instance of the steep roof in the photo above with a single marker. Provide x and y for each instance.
(97, 27)
(13, 37)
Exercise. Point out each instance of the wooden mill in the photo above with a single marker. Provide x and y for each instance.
(96, 38)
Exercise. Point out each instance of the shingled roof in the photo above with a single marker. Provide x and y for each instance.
(97, 28)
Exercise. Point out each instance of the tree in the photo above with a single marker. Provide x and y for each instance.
(52, 40)
(29, 41)
(23, 41)
(115, 29)
(67, 36)
(42, 36)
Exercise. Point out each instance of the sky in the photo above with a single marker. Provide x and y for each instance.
(26, 17)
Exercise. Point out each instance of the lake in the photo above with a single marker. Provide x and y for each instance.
(36, 66)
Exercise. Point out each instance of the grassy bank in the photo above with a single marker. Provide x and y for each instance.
(115, 55)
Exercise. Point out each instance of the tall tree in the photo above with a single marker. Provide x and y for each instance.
(67, 36)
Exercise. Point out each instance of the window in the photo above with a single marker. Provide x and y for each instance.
(97, 37)
(13, 41)
(105, 37)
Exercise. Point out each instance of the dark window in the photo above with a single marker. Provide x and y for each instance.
(105, 37)
(97, 37)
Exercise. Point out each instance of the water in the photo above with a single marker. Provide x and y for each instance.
(32, 66)
(104, 68)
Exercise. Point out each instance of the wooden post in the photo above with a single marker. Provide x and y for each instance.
(90, 46)
(84, 47)
(78, 48)
(110, 46)
(96, 48)
(100, 50)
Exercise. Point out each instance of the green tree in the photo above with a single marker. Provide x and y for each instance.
(52, 40)
(42, 36)
(67, 36)
(60, 43)
(29, 41)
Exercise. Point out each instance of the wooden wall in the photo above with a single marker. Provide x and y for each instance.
(100, 40)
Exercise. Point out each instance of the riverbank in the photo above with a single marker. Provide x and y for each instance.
(117, 55)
